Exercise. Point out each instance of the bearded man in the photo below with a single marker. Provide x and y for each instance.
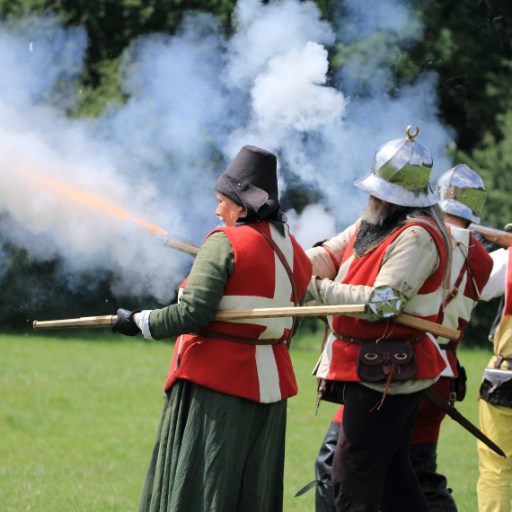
(395, 258)
(462, 198)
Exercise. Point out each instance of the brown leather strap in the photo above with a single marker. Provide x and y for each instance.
(327, 331)
(465, 267)
(448, 346)
(358, 341)
(471, 250)
(236, 339)
(455, 288)
(282, 257)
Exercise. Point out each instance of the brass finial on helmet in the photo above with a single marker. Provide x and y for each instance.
(410, 136)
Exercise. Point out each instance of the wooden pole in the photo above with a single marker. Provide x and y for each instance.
(426, 326)
(247, 314)
(242, 314)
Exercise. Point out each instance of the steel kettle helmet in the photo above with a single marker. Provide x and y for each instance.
(462, 193)
(400, 173)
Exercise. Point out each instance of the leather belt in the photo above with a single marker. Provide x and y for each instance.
(500, 359)
(236, 339)
(358, 341)
(448, 347)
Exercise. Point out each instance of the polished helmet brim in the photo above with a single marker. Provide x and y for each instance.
(458, 209)
(396, 194)
(462, 192)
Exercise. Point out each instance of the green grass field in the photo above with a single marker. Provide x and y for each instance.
(78, 419)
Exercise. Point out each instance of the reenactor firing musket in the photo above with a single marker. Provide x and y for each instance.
(463, 196)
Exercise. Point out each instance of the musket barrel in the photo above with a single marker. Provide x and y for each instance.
(85, 321)
(187, 248)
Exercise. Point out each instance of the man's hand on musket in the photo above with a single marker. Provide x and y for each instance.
(125, 323)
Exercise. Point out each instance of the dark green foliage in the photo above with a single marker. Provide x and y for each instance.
(468, 44)
(32, 290)
(41, 290)
(477, 332)
(112, 25)
(493, 161)
(298, 194)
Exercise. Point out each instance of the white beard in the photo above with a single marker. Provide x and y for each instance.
(377, 211)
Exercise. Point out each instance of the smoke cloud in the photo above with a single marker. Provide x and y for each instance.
(195, 99)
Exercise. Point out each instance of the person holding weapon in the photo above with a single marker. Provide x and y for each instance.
(395, 258)
(493, 487)
(462, 198)
(231, 372)
(220, 441)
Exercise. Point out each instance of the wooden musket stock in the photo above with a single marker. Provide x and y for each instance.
(496, 236)
(240, 314)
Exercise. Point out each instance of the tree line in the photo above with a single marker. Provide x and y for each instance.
(466, 44)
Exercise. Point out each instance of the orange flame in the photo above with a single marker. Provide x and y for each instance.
(97, 203)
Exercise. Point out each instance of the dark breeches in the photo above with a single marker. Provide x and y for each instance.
(372, 470)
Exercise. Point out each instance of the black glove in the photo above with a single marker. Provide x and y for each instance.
(124, 323)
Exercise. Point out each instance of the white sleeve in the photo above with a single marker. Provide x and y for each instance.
(327, 257)
(497, 280)
(142, 321)
(407, 264)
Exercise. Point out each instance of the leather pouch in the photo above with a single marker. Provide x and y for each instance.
(378, 359)
(496, 387)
